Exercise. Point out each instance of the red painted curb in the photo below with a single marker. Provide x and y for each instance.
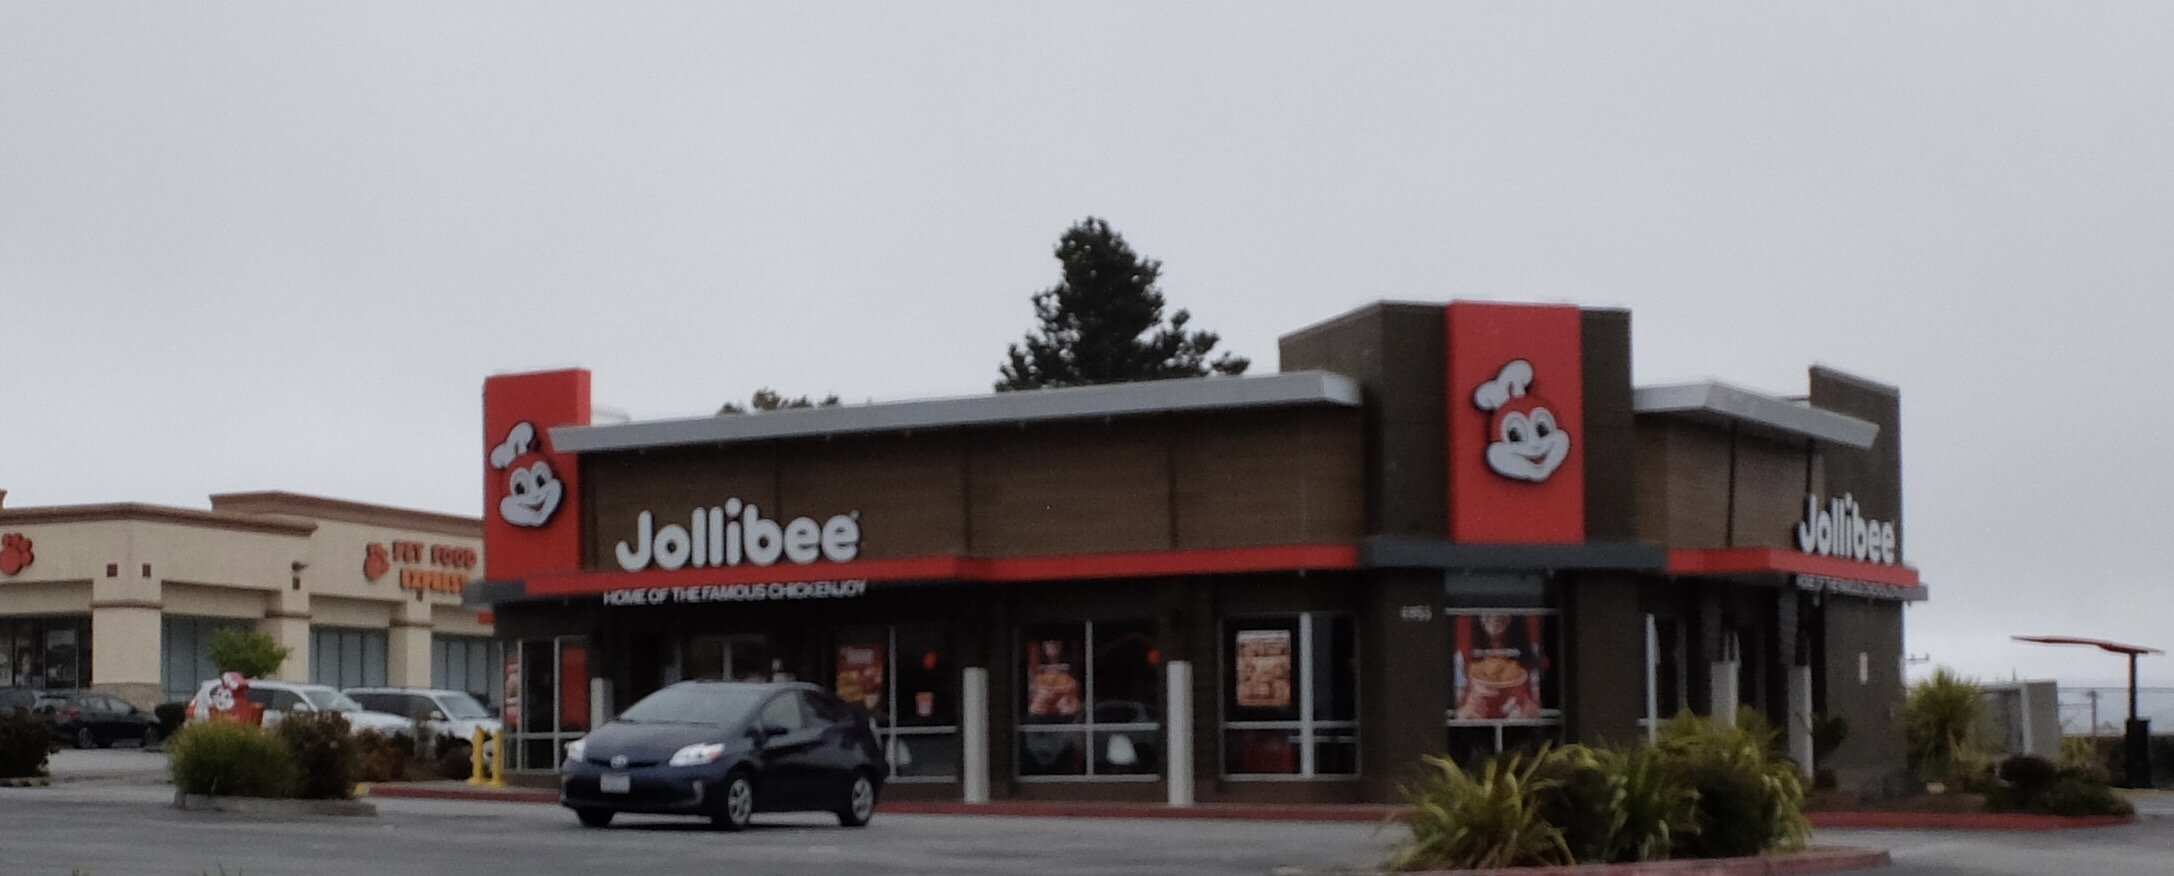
(1963, 820)
(1223, 811)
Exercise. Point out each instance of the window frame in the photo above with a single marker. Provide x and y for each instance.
(1088, 730)
(1310, 730)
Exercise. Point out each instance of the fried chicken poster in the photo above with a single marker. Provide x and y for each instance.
(1500, 658)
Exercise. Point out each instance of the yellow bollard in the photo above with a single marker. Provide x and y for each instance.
(475, 759)
(498, 759)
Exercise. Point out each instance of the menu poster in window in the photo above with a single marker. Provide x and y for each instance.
(1054, 691)
(860, 676)
(1500, 658)
(1264, 669)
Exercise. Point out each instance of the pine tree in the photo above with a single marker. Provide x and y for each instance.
(1104, 322)
(767, 399)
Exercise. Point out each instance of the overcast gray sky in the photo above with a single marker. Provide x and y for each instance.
(278, 246)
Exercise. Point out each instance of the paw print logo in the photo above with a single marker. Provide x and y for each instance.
(375, 562)
(15, 554)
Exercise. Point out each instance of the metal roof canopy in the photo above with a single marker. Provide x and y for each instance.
(1722, 404)
(1295, 388)
(2100, 644)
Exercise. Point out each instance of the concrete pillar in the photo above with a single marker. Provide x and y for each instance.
(407, 645)
(1800, 718)
(1179, 694)
(974, 734)
(287, 619)
(125, 651)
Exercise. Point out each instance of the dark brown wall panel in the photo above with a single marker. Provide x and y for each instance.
(910, 491)
(1609, 442)
(1698, 486)
(617, 487)
(1269, 478)
(1650, 480)
(1083, 488)
(1397, 352)
(1871, 758)
(1769, 493)
(1874, 476)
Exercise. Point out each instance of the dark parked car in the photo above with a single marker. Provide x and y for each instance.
(727, 750)
(95, 720)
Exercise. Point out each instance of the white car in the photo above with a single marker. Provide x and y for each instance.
(280, 697)
(445, 712)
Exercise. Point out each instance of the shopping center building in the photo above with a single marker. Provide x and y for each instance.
(1439, 529)
(125, 598)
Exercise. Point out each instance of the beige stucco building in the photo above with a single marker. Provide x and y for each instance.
(125, 597)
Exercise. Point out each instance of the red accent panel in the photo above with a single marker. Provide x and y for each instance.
(1766, 560)
(1009, 570)
(1509, 480)
(537, 531)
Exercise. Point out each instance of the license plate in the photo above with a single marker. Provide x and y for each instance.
(613, 783)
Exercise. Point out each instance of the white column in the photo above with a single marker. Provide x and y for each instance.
(974, 733)
(600, 709)
(1723, 692)
(1179, 696)
(1800, 718)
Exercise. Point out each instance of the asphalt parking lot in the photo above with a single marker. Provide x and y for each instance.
(109, 813)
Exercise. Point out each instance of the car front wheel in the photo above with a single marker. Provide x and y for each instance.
(860, 802)
(594, 817)
(738, 807)
(84, 738)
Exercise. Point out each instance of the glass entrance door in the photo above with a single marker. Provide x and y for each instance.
(547, 699)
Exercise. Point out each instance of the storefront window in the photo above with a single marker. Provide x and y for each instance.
(347, 657)
(1505, 690)
(1664, 672)
(186, 659)
(1290, 696)
(49, 652)
(470, 664)
(1092, 702)
(547, 699)
(905, 680)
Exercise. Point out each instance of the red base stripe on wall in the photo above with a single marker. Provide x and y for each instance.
(1766, 560)
(1011, 569)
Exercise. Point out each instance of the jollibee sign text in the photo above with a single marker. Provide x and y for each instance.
(721, 536)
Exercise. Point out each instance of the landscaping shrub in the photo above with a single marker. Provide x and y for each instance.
(1941, 725)
(2075, 794)
(380, 758)
(1659, 811)
(323, 752)
(225, 758)
(455, 760)
(252, 654)
(170, 716)
(1458, 820)
(1582, 798)
(1750, 799)
(2034, 784)
(24, 742)
(2082, 755)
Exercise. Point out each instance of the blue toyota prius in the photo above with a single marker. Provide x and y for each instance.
(725, 751)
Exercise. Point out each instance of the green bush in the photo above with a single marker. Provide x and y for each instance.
(225, 758)
(1941, 726)
(381, 758)
(1494, 819)
(24, 742)
(323, 752)
(1615, 806)
(2074, 794)
(1750, 798)
(252, 654)
(455, 759)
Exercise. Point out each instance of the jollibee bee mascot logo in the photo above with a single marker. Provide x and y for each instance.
(1526, 443)
(532, 492)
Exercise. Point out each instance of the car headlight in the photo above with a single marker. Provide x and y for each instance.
(697, 755)
(577, 750)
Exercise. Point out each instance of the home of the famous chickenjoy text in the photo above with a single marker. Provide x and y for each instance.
(1438, 529)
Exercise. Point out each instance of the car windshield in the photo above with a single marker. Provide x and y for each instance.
(694, 704)
(462, 707)
(326, 699)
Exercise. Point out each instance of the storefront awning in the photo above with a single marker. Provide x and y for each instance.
(1805, 571)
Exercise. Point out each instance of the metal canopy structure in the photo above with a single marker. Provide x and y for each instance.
(2137, 753)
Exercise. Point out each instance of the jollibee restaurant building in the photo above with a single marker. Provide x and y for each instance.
(1439, 529)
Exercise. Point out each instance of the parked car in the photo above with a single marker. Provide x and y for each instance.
(448, 712)
(90, 719)
(18, 699)
(277, 698)
(727, 750)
